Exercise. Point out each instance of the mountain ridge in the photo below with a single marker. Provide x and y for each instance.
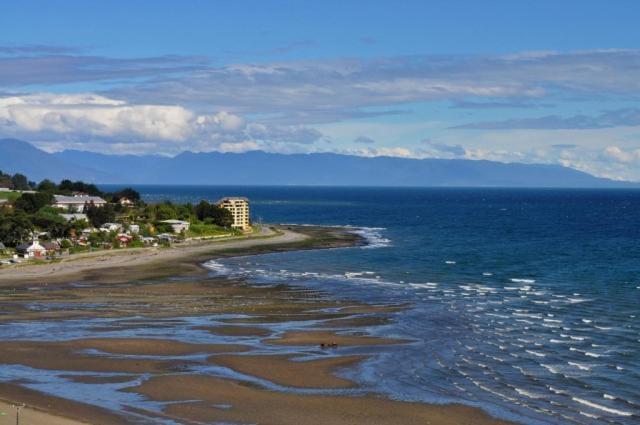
(264, 168)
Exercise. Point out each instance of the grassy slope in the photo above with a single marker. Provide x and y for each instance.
(11, 196)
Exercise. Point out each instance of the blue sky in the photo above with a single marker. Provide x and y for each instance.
(514, 81)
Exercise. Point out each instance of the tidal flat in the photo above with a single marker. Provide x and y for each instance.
(168, 342)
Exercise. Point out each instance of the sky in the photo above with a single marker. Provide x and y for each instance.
(554, 82)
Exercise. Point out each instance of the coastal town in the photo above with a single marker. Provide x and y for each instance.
(49, 221)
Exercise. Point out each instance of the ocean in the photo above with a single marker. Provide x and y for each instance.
(522, 302)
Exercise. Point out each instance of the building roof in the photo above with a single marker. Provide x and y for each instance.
(62, 199)
(234, 198)
(25, 246)
(174, 221)
(77, 216)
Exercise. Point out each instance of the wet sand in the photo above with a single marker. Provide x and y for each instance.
(318, 338)
(168, 342)
(290, 371)
(233, 401)
(45, 409)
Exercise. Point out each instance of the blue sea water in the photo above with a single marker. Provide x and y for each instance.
(523, 302)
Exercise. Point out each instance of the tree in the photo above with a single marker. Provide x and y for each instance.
(5, 180)
(47, 185)
(20, 182)
(213, 214)
(67, 186)
(128, 193)
(48, 219)
(32, 202)
(165, 211)
(15, 228)
(98, 215)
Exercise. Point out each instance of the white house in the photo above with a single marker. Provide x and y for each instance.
(134, 228)
(126, 202)
(111, 227)
(77, 203)
(32, 249)
(75, 217)
(177, 225)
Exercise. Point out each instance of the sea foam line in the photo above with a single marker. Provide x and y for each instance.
(601, 407)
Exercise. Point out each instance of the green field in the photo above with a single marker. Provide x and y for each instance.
(197, 230)
(11, 196)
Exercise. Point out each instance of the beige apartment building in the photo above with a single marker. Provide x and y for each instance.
(239, 208)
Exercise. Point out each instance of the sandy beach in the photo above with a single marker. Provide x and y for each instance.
(159, 339)
(103, 261)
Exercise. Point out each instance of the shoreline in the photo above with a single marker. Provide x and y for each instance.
(317, 346)
(86, 264)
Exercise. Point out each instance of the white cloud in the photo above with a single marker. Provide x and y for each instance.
(92, 121)
(330, 90)
(620, 155)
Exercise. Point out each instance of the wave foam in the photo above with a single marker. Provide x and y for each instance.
(518, 280)
(601, 407)
(373, 236)
(217, 268)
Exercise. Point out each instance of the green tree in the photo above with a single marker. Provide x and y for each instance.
(15, 228)
(213, 214)
(20, 182)
(98, 215)
(48, 219)
(47, 185)
(32, 202)
(5, 180)
(165, 211)
(67, 186)
(128, 193)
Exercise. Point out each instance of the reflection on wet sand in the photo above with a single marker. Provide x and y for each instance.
(196, 348)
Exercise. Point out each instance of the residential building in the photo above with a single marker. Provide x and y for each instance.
(239, 208)
(124, 239)
(32, 249)
(177, 225)
(75, 217)
(77, 203)
(164, 237)
(111, 227)
(51, 247)
(126, 202)
(134, 228)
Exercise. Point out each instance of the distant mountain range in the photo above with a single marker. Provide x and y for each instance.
(262, 168)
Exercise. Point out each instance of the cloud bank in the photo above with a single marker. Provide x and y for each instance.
(101, 123)
(169, 104)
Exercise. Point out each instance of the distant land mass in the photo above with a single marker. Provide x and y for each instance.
(262, 168)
